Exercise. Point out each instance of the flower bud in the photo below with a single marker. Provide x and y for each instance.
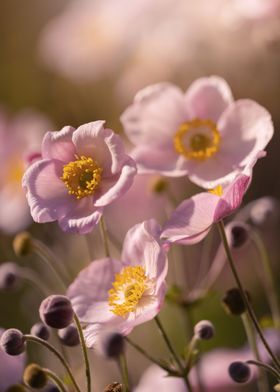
(56, 311)
(69, 336)
(9, 276)
(204, 330)
(238, 234)
(13, 342)
(41, 331)
(233, 302)
(16, 388)
(22, 244)
(110, 344)
(114, 387)
(239, 372)
(34, 376)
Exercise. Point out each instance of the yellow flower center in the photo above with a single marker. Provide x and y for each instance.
(128, 288)
(81, 177)
(218, 190)
(197, 139)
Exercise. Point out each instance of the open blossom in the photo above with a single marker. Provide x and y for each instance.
(202, 133)
(11, 369)
(191, 221)
(81, 172)
(20, 140)
(121, 294)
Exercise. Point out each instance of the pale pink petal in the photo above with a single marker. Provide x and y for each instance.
(155, 115)
(82, 218)
(246, 128)
(142, 246)
(192, 219)
(59, 145)
(161, 160)
(112, 188)
(89, 291)
(46, 193)
(102, 144)
(207, 98)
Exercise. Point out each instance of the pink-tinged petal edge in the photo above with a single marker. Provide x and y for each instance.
(58, 145)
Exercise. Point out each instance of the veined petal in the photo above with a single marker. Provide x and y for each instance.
(59, 145)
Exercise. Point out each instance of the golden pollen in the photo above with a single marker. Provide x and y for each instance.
(81, 177)
(128, 288)
(218, 190)
(197, 139)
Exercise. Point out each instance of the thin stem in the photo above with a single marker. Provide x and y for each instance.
(244, 296)
(124, 372)
(56, 379)
(37, 340)
(268, 276)
(262, 379)
(191, 348)
(84, 349)
(266, 367)
(173, 353)
(104, 234)
(33, 278)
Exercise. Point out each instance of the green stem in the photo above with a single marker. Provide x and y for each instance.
(37, 340)
(173, 353)
(244, 296)
(269, 279)
(262, 379)
(56, 379)
(265, 366)
(104, 234)
(84, 349)
(124, 371)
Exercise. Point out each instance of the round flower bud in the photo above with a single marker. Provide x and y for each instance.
(13, 341)
(233, 302)
(204, 330)
(56, 311)
(34, 376)
(22, 244)
(239, 234)
(16, 388)
(40, 330)
(239, 372)
(69, 336)
(114, 387)
(110, 344)
(9, 276)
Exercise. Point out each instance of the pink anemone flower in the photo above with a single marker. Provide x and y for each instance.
(191, 221)
(120, 294)
(80, 173)
(202, 133)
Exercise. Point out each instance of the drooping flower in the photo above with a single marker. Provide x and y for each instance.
(81, 172)
(191, 221)
(121, 294)
(20, 140)
(202, 133)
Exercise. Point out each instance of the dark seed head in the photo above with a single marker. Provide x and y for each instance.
(69, 336)
(239, 372)
(40, 330)
(56, 311)
(13, 342)
(204, 330)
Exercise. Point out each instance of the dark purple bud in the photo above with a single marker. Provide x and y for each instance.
(239, 372)
(110, 344)
(34, 376)
(233, 302)
(69, 336)
(56, 311)
(40, 330)
(13, 342)
(239, 234)
(9, 276)
(204, 330)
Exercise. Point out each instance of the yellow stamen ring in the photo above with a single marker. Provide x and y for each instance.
(81, 177)
(128, 288)
(197, 139)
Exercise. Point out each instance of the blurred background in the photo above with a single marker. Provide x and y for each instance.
(68, 62)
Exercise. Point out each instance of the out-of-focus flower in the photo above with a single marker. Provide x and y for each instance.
(20, 140)
(191, 221)
(11, 368)
(81, 172)
(253, 10)
(203, 133)
(122, 294)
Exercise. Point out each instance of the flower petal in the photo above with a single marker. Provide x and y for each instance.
(47, 195)
(155, 114)
(59, 145)
(207, 98)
